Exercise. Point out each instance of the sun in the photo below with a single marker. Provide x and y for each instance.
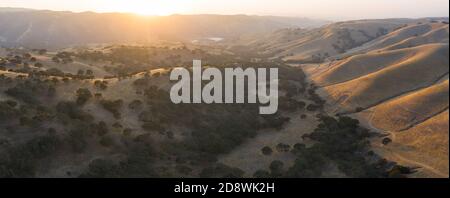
(147, 8)
(148, 11)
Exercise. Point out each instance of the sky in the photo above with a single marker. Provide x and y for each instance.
(324, 9)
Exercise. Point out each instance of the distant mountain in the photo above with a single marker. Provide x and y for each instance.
(32, 28)
(342, 39)
(14, 9)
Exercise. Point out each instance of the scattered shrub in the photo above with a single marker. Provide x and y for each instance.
(267, 150)
(83, 95)
(113, 107)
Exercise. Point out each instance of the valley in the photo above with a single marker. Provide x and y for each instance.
(363, 98)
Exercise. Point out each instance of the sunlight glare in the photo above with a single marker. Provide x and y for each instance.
(148, 8)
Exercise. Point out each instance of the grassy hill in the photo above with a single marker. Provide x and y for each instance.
(397, 84)
(380, 86)
(403, 112)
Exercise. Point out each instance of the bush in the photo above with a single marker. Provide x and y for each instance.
(38, 65)
(54, 72)
(83, 95)
(117, 125)
(283, 147)
(127, 132)
(73, 111)
(267, 150)
(135, 104)
(101, 129)
(103, 85)
(312, 107)
(309, 164)
(276, 168)
(113, 107)
(98, 95)
(28, 91)
(298, 148)
(7, 111)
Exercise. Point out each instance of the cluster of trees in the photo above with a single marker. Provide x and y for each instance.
(101, 84)
(83, 95)
(63, 57)
(291, 105)
(54, 72)
(140, 156)
(19, 61)
(8, 110)
(127, 60)
(113, 106)
(340, 141)
(29, 91)
(216, 128)
(86, 74)
(318, 101)
(22, 160)
(71, 111)
(40, 51)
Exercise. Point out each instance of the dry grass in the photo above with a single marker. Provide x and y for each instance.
(377, 87)
(427, 143)
(402, 112)
(360, 65)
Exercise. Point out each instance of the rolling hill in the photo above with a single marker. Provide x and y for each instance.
(396, 84)
(404, 112)
(391, 74)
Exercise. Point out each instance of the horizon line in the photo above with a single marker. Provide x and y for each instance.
(194, 14)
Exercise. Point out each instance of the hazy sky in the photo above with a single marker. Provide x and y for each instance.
(328, 9)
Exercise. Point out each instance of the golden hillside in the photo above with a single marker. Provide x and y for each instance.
(404, 112)
(364, 64)
(392, 81)
(424, 145)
